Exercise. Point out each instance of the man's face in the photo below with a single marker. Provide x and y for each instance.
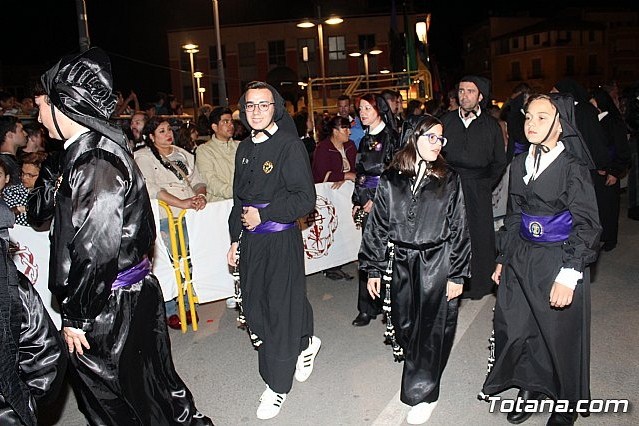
(258, 119)
(392, 104)
(469, 96)
(343, 108)
(19, 136)
(224, 129)
(44, 115)
(37, 140)
(137, 125)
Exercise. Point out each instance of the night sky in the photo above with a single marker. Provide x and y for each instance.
(133, 32)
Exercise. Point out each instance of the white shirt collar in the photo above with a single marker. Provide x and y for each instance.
(470, 118)
(263, 137)
(74, 138)
(377, 129)
(545, 160)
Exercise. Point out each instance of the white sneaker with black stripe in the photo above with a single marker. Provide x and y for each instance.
(305, 360)
(270, 404)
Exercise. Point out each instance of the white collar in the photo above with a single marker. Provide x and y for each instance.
(470, 118)
(545, 160)
(602, 115)
(263, 137)
(377, 129)
(74, 138)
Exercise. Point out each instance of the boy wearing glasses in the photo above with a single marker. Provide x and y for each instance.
(272, 188)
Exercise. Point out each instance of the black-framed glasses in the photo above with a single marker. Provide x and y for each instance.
(433, 138)
(262, 106)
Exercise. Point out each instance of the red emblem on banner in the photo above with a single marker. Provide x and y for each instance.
(322, 224)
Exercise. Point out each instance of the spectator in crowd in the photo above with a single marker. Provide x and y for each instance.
(304, 131)
(514, 111)
(394, 101)
(498, 115)
(27, 107)
(273, 188)
(375, 152)
(187, 136)
(35, 137)
(203, 124)
(631, 115)
(123, 107)
(161, 104)
(414, 107)
(619, 162)
(12, 138)
(150, 110)
(111, 304)
(419, 212)
(8, 105)
(344, 109)
(550, 236)
(17, 194)
(334, 161)
(138, 121)
(171, 176)
(475, 150)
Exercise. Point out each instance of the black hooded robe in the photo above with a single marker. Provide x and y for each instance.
(537, 347)
(276, 172)
(477, 154)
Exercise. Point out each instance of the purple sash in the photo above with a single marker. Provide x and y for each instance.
(546, 229)
(519, 148)
(269, 226)
(132, 275)
(369, 182)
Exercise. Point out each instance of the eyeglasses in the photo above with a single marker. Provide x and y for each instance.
(29, 175)
(227, 121)
(433, 138)
(262, 106)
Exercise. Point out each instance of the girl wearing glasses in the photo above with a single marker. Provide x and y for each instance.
(416, 244)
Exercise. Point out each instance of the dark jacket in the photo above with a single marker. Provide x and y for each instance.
(328, 159)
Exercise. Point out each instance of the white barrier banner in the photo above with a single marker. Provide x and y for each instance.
(32, 259)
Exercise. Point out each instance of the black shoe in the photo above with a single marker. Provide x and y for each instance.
(346, 275)
(334, 275)
(363, 319)
(561, 419)
(517, 417)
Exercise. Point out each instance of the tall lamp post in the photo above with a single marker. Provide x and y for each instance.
(198, 75)
(421, 28)
(365, 54)
(333, 20)
(191, 49)
(221, 80)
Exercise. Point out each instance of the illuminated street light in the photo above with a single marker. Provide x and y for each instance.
(308, 23)
(191, 49)
(198, 75)
(365, 54)
(421, 28)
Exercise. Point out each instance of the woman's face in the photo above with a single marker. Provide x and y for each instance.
(341, 134)
(162, 137)
(367, 113)
(430, 143)
(539, 119)
(4, 179)
(30, 173)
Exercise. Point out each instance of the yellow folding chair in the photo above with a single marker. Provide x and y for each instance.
(181, 266)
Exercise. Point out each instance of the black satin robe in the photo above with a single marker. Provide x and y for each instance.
(537, 347)
(33, 357)
(103, 223)
(432, 246)
(477, 153)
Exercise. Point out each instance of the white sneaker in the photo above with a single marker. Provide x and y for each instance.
(231, 303)
(305, 360)
(420, 413)
(270, 404)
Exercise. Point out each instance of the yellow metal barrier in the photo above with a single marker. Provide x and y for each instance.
(180, 257)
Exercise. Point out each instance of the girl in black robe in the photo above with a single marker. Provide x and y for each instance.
(418, 233)
(550, 235)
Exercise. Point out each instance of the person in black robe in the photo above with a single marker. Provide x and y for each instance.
(376, 150)
(476, 151)
(272, 188)
(550, 236)
(418, 235)
(619, 162)
(112, 308)
(630, 102)
(33, 358)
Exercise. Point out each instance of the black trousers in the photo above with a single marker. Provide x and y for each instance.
(365, 303)
(608, 204)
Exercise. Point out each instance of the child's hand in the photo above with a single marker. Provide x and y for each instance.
(496, 276)
(560, 295)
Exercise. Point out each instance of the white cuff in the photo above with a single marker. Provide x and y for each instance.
(76, 330)
(569, 277)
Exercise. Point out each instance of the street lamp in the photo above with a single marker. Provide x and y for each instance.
(221, 80)
(201, 91)
(421, 28)
(332, 20)
(191, 48)
(365, 54)
(198, 75)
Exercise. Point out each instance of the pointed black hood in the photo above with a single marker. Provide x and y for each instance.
(570, 136)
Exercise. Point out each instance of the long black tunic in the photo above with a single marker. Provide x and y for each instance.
(537, 347)
(272, 276)
(477, 154)
(432, 246)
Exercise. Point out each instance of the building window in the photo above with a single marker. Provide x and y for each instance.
(515, 43)
(306, 42)
(570, 65)
(276, 53)
(592, 64)
(515, 70)
(366, 41)
(336, 48)
(536, 68)
(246, 54)
(213, 56)
(536, 39)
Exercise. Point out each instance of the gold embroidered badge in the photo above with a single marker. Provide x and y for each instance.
(267, 167)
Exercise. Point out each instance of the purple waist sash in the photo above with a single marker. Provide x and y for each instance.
(546, 229)
(369, 182)
(269, 226)
(132, 275)
(519, 148)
